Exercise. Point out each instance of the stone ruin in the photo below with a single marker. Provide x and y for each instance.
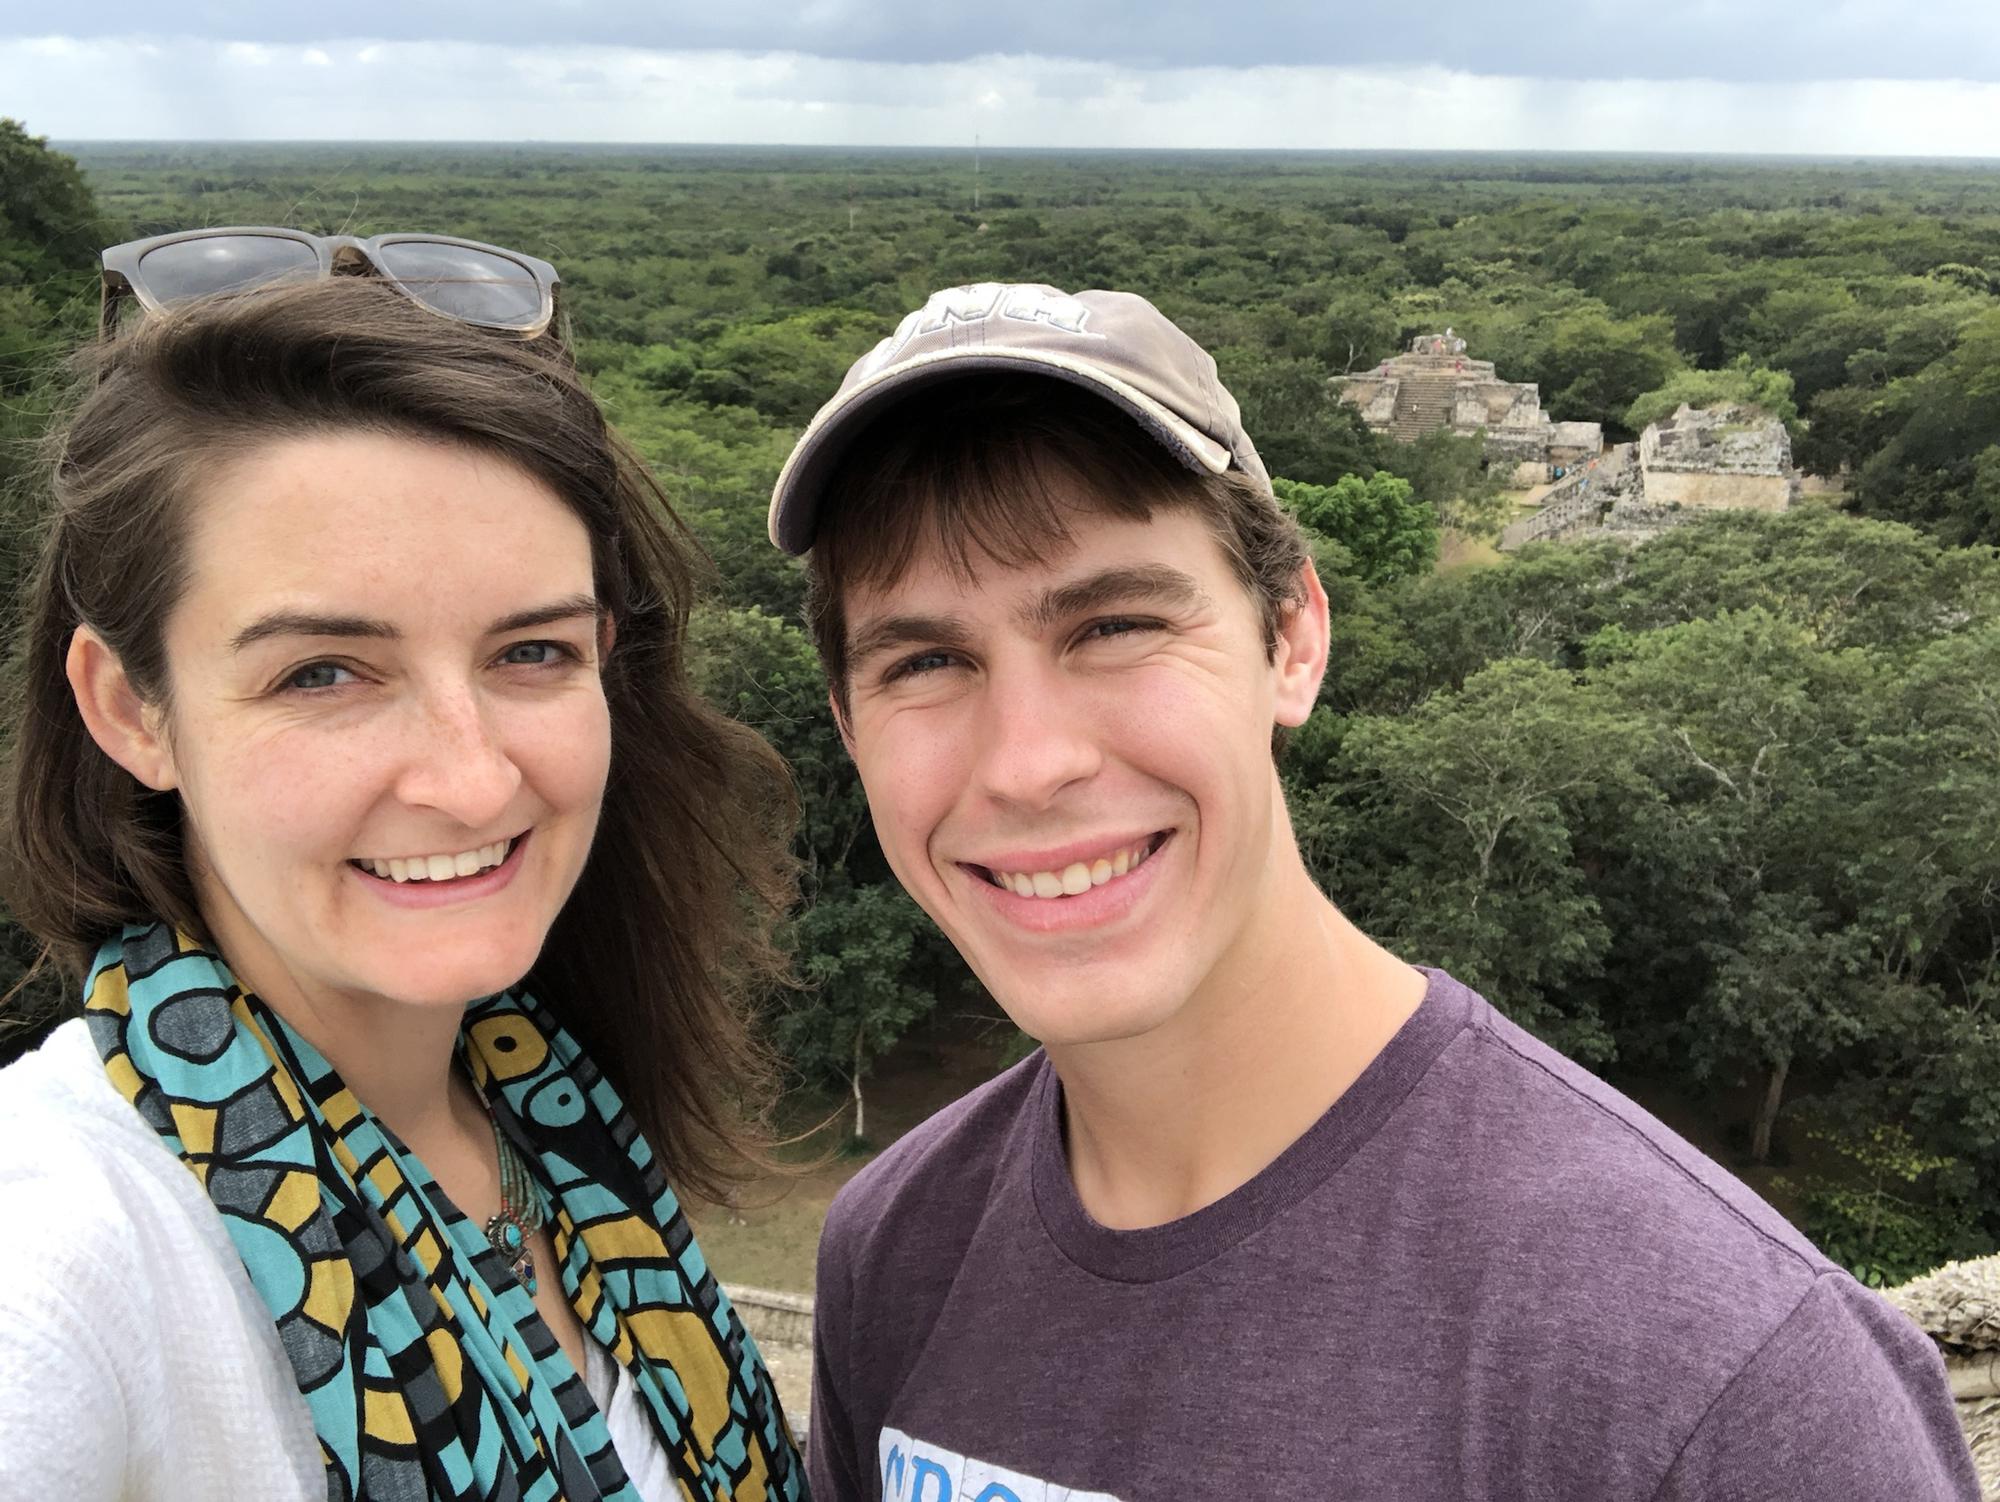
(1699, 460)
(1435, 385)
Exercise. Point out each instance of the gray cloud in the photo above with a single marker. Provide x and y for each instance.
(1735, 40)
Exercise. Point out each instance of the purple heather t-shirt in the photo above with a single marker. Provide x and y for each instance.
(1483, 1273)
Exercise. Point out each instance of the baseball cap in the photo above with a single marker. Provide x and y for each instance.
(1113, 343)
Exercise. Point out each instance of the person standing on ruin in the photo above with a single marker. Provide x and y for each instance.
(1270, 1210)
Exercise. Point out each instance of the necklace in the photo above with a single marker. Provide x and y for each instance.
(520, 1211)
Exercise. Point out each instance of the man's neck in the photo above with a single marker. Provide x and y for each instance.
(1161, 1125)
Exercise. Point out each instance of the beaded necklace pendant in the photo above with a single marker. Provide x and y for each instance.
(520, 1213)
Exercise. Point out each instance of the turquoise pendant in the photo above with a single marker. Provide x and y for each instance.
(509, 1238)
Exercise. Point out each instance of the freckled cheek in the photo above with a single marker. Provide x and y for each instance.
(565, 755)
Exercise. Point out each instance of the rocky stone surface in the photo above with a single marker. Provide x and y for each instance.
(1958, 1306)
(1697, 461)
(1435, 384)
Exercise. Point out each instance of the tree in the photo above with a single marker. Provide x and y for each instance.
(1757, 746)
(1451, 476)
(49, 222)
(855, 946)
(1739, 384)
(1299, 423)
(1470, 807)
(1929, 471)
(1386, 532)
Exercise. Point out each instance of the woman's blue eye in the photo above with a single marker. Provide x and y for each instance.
(317, 675)
(532, 654)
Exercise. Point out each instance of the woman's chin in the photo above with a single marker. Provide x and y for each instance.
(433, 980)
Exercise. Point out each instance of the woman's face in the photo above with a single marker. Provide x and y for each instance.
(386, 722)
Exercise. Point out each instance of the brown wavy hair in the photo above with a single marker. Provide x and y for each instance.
(668, 936)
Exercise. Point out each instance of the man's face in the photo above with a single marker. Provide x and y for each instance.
(1069, 766)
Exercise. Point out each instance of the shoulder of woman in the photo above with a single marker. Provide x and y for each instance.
(75, 1279)
(82, 1176)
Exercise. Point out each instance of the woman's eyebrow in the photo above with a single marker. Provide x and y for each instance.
(311, 623)
(306, 623)
(575, 607)
(1137, 584)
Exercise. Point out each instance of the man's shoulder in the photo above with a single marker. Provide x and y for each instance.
(1554, 1191)
(947, 1160)
(1575, 1155)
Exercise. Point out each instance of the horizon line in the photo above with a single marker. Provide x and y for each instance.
(988, 149)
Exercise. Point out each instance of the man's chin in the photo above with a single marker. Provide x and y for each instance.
(1088, 1021)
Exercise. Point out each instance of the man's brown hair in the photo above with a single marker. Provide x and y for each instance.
(998, 468)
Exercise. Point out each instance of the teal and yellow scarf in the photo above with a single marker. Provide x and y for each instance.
(428, 1372)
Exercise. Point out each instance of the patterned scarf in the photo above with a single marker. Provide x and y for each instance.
(427, 1369)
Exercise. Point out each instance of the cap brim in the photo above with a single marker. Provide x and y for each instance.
(795, 498)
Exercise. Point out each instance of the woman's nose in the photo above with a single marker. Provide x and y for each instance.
(455, 761)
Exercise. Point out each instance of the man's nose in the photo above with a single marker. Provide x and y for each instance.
(455, 761)
(1036, 737)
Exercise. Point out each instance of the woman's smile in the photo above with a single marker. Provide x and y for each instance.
(492, 867)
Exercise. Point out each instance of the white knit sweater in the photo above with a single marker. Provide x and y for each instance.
(136, 1360)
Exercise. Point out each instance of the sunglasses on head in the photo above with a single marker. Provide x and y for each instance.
(462, 279)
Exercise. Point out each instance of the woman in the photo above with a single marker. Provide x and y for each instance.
(358, 780)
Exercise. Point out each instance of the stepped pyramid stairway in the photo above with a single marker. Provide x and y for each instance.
(1423, 404)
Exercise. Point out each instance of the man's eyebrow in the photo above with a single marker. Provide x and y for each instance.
(892, 631)
(1137, 584)
(310, 623)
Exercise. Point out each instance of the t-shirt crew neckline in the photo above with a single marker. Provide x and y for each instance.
(1155, 1253)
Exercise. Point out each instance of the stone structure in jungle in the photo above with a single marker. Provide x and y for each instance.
(1435, 385)
(1701, 459)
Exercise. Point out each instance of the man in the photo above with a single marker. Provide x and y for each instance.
(1271, 1214)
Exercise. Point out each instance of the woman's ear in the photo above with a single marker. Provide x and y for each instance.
(125, 727)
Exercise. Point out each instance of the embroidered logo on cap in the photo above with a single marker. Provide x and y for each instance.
(983, 302)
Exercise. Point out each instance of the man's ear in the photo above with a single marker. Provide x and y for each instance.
(1300, 659)
(125, 727)
(840, 722)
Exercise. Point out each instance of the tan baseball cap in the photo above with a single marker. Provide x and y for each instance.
(1114, 343)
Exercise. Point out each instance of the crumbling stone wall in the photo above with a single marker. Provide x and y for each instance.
(1718, 492)
(1717, 440)
(1509, 413)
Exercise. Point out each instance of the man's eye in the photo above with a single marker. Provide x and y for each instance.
(1119, 626)
(318, 675)
(923, 662)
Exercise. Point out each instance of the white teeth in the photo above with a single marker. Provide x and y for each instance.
(438, 867)
(1076, 878)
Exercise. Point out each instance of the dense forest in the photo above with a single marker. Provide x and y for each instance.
(1718, 814)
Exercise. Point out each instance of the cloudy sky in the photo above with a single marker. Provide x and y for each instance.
(1891, 77)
